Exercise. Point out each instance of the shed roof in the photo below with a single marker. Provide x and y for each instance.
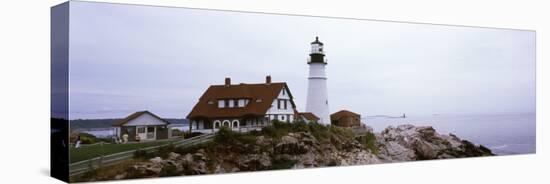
(343, 113)
(309, 116)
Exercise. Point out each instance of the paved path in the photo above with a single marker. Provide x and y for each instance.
(107, 160)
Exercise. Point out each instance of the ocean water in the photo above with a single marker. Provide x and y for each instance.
(504, 134)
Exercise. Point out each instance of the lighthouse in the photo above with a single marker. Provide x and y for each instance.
(317, 96)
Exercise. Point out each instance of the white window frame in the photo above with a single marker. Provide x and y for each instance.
(231, 103)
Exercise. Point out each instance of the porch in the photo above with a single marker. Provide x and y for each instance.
(239, 125)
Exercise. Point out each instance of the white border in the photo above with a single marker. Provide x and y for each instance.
(24, 77)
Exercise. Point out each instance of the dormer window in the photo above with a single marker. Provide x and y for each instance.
(231, 103)
(221, 103)
(241, 103)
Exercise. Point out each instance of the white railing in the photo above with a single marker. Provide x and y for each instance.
(107, 160)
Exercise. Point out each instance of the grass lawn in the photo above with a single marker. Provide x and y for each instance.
(87, 152)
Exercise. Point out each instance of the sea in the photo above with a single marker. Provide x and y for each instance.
(504, 134)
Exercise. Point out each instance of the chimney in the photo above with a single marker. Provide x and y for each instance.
(227, 81)
(268, 79)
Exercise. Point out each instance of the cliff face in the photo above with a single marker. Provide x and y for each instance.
(304, 150)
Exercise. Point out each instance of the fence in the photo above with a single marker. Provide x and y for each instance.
(107, 160)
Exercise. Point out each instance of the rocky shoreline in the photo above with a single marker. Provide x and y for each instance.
(303, 149)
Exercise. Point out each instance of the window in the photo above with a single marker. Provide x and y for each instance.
(231, 103)
(226, 103)
(210, 102)
(284, 93)
(236, 103)
(284, 104)
(221, 103)
(278, 104)
(141, 130)
(241, 102)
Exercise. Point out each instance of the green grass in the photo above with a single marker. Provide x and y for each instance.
(91, 151)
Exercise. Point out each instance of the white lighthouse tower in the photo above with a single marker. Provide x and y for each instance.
(317, 96)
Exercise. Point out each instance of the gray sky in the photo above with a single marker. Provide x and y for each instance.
(130, 58)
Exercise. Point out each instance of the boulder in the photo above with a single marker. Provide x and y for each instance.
(408, 142)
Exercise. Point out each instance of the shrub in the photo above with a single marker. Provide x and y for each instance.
(193, 148)
(278, 129)
(164, 151)
(320, 132)
(271, 131)
(299, 126)
(246, 138)
(169, 170)
(225, 136)
(177, 133)
(369, 142)
(344, 132)
(104, 139)
(281, 162)
(85, 138)
(141, 154)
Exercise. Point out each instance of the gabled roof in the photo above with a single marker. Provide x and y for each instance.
(342, 113)
(309, 116)
(136, 115)
(260, 95)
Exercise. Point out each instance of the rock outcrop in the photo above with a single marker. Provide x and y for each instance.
(407, 143)
(303, 150)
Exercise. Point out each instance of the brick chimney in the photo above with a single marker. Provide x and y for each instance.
(227, 81)
(268, 79)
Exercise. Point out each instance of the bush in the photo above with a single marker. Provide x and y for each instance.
(85, 138)
(164, 151)
(177, 133)
(192, 149)
(225, 136)
(369, 142)
(141, 154)
(299, 126)
(271, 131)
(246, 138)
(282, 162)
(278, 129)
(169, 170)
(344, 132)
(320, 132)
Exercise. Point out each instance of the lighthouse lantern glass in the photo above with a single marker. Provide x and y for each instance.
(316, 48)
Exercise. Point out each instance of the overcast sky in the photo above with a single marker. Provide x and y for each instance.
(131, 58)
